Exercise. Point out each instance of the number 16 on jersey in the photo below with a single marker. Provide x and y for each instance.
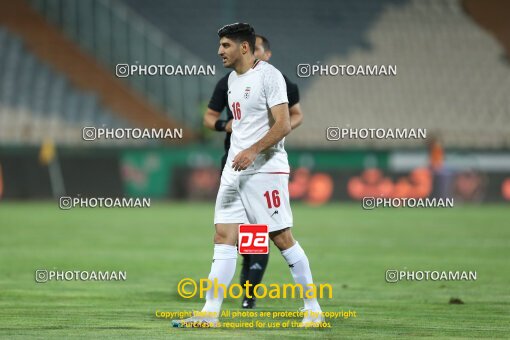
(236, 110)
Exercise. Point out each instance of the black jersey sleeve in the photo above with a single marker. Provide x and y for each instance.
(292, 92)
(219, 98)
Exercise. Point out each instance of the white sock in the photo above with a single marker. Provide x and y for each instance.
(223, 268)
(300, 269)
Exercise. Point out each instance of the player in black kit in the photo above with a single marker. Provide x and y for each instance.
(254, 265)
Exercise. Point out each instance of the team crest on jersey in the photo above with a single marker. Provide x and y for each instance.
(247, 92)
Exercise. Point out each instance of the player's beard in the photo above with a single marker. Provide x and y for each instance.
(227, 63)
(230, 62)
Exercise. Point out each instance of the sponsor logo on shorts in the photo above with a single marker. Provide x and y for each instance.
(253, 239)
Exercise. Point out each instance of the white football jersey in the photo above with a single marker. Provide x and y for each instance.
(250, 97)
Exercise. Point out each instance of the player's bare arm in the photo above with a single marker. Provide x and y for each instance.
(278, 131)
(211, 117)
(296, 116)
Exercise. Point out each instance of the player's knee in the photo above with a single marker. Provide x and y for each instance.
(223, 236)
(282, 239)
(283, 244)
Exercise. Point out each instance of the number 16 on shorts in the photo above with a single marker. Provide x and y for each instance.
(253, 239)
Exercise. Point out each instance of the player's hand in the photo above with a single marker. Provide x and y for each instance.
(244, 159)
(228, 127)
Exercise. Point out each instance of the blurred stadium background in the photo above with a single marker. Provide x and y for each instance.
(57, 75)
(58, 60)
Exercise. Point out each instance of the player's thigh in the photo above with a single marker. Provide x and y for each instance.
(229, 208)
(266, 200)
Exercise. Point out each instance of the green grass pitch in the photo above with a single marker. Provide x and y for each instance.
(347, 247)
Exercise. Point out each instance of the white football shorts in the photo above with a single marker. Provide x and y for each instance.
(260, 198)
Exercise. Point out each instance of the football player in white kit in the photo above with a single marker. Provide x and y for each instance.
(254, 183)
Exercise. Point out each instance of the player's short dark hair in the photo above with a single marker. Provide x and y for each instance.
(265, 42)
(239, 32)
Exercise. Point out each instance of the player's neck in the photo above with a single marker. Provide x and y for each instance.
(245, 64)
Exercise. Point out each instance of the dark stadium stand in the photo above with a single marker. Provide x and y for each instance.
(334, 28)
(431, 43)
(58, 54)
(114, 34)
(38, 102)
(451, 80)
